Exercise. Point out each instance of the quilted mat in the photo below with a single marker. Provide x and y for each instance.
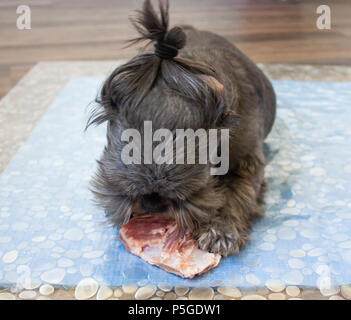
(51, 232)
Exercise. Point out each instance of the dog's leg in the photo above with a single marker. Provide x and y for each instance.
(228, 231)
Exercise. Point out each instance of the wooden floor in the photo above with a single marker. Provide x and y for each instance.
(268, 31)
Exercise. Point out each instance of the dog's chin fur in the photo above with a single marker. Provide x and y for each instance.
(191, 201)
(210, 84)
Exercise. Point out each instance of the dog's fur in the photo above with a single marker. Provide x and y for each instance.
(210, 84)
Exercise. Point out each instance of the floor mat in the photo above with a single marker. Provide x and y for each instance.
(50, 230)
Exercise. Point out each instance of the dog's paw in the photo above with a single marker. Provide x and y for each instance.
(223, 241)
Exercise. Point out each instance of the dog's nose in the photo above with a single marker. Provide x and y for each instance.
(153, 203)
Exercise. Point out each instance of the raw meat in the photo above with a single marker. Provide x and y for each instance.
(156, 239)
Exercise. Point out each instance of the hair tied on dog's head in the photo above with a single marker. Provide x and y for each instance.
(165, 51)
(154, 28)
(183, 75)
(168, 47)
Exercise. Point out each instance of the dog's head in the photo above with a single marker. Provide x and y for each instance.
(170, 93)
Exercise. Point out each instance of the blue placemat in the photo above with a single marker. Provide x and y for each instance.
(49, 229)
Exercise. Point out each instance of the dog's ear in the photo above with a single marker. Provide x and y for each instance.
(229, 119)
(106, 103)
(226, 118)
(214, 84)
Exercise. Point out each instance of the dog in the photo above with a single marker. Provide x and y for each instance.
(192, 79)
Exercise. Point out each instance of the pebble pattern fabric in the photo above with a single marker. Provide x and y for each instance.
(50, 230)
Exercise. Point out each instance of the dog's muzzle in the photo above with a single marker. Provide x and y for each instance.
(153, 203)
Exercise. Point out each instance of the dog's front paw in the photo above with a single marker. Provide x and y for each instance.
(215, 239)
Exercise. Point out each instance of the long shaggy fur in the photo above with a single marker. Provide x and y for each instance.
(182, 93)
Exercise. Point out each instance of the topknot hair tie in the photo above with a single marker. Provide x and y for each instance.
(165, 51)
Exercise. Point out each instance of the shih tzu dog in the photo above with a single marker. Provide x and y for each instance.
(191, 79)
